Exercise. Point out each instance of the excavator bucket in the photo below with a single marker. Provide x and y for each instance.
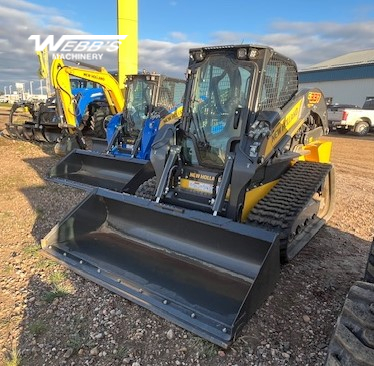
(89, 169)
(206, 274)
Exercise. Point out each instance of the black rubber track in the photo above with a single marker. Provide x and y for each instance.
(280, 208)
(352, 343)
(147, 189)
(369, 271)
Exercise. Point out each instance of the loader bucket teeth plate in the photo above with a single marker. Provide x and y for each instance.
(15, 130)
(28, 131)
(87, 169)
(206, 274)
(39, 134)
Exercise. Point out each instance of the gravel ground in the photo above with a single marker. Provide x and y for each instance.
(51, 316)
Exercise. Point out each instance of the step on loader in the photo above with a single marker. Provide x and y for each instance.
(152, 100)
(241, 184)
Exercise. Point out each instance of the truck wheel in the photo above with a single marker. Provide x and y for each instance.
(369, 271)
(342, 131)
(362, 128)
(147, 189)
(99, 121)
(352, 342)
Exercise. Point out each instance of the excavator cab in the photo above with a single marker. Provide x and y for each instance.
(241, 182)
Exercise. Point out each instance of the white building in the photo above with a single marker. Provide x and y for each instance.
(347, 79)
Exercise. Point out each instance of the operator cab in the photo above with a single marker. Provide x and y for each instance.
(220, 90)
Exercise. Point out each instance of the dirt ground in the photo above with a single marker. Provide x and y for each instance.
(51, 316)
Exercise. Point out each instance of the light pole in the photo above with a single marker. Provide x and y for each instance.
(31, 87)
(10, 89)
(4, 90)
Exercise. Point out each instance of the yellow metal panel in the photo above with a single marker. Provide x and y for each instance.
(289, 121)
(127, 24)
(254, 195)
(320, 151)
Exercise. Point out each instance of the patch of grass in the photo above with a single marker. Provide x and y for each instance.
(39, 212)
(6, 214)
(57, 278)
(122, 352)
(13, 358)
(59, 290)
(7, 269)
(76, 342)
(45, 263)
(37, 328)
(4, 322)
(204, 347)
(32, 249)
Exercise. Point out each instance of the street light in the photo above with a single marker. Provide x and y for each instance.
(10, 89)
(4, 90)
(41, 86)
(31, 87)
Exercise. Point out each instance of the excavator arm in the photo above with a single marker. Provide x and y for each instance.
(60, 76)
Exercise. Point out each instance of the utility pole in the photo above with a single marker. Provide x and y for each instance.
(127, 24)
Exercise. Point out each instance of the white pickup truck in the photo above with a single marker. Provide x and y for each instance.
(343, 118)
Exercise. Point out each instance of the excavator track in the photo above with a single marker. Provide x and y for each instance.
(287, 208)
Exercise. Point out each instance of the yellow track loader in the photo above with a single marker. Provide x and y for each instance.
(241, 184)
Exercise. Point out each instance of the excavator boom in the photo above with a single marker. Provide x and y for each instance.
(60, 76)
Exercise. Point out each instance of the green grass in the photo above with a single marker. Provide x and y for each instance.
(61, 291)
(57, 277)
(76, 342)
(45, 263)
(39, 212)
(204, 347)
(122, 352)
(37, 328)
(32, 250)
(13, 358)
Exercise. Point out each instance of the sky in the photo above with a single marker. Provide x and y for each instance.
(307, 32)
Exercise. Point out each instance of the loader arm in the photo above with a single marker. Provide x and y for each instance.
(60, 76)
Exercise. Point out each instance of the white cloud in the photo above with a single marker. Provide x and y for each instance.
(305, 42)
(179, 36)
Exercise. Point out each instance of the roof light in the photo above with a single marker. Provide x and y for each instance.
(242, 53)
(198, 55)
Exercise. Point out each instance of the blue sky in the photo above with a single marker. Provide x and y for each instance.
(308, 32)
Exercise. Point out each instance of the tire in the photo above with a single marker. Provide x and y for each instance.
(342, 131)
(362, 128)
(369, 271)
(352, 343)
(98, 122)
(147, 189)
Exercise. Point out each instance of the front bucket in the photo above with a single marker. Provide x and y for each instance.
(88, 169)
(206, 274)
